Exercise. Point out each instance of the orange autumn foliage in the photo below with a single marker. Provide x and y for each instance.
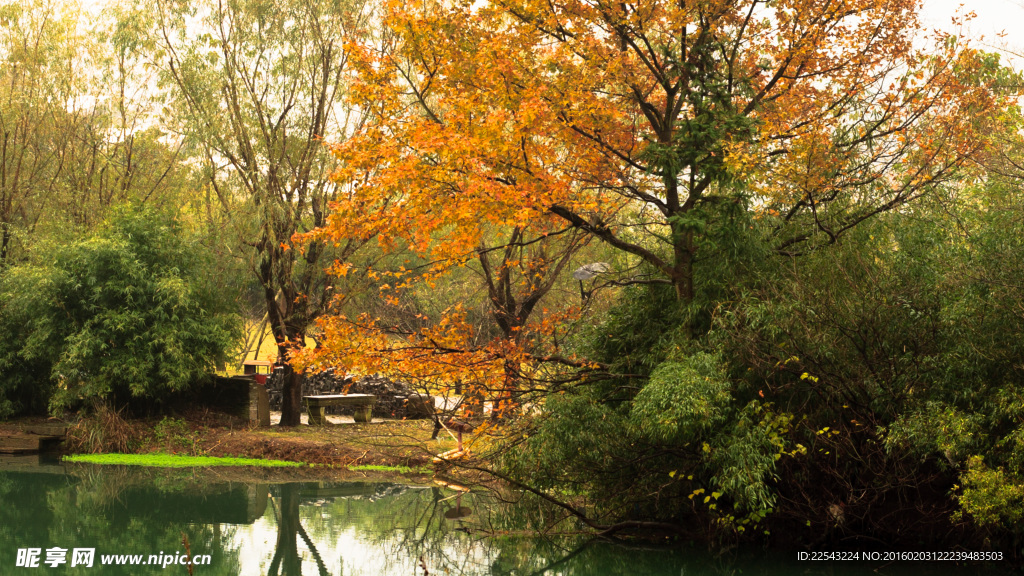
(527, 120)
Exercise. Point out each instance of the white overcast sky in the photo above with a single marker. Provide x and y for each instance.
(994, 17)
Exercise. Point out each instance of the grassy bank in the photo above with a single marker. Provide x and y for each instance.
(160, 460)
(176, 461)
(389, 447)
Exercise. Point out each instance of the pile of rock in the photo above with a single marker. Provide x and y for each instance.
(394, 399)
(325, 383)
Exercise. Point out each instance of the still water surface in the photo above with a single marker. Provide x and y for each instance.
(249, 526)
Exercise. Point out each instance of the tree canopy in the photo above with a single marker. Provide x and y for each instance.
(656, 129)
(255, 87)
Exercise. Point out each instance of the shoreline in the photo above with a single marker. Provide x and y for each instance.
(383, 449)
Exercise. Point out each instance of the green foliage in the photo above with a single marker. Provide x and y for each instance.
(938, 429)
(572, 445)
(127, 313)
(743, 460)
(990, 496)
(175, 461)
(650, 324)
(671, 437)
(74, 106)
(175, 435)
(639, 332)
(901, 349)
(683, 399)
(625, 465)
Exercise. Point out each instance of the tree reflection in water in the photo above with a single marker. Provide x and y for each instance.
(321, 528)
(289, 528)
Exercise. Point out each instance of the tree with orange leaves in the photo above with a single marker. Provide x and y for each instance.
(483, 345)
(665, 132)
(632, 123)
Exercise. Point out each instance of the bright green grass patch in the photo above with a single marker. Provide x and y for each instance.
(173, 461)
(398, 469)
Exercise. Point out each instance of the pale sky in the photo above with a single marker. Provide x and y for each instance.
(994, 17)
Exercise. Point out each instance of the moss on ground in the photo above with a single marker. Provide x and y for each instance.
(174, 461)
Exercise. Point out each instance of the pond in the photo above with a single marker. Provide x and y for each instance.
(86, 519)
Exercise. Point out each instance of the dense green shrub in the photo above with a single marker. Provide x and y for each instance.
(903, 351)
(873, 388)
(667, 436)
(130, 312)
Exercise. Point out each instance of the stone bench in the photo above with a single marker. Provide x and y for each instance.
(315, 406)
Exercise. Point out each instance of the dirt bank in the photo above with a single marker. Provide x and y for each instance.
(331, 450)
(387, 443)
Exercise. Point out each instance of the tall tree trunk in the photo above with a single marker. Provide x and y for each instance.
(291, 396)
(281, 314)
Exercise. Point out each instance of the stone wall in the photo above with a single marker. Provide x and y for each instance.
(238, 396)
